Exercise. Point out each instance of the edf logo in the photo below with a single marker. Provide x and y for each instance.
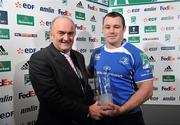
(24, 5)
(26, 50)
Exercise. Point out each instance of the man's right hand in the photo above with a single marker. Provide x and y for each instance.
(95, 111)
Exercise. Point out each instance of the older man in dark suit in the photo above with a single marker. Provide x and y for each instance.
(59, 78)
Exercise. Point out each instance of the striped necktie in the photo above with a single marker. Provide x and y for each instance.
(70, 62)
(76, 70)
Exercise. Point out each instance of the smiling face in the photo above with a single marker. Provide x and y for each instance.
(113, 31)
(62, 34)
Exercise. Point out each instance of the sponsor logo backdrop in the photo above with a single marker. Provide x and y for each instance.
(24, 29)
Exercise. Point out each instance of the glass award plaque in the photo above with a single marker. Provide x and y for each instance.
(102, 88)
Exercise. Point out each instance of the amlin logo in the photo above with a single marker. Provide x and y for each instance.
(80, 15)
(25, 20)
(134, 39)
(4, 34)
(150, 29)
(5, 66)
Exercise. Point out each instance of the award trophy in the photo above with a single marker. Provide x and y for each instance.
(103, 88)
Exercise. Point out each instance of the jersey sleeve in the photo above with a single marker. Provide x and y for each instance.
(142, 68)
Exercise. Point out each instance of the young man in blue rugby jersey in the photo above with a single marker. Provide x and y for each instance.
(126, 68)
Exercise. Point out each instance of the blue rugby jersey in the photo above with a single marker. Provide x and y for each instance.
(120, 67)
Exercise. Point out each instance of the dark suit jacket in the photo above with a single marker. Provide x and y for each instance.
(58, 88)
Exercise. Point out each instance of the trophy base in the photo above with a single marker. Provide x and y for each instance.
(104, 99)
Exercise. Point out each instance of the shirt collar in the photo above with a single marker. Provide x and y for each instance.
(65, 54)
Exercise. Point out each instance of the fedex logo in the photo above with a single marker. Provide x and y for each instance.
(27, 95)
(5, 82)
(169, 88)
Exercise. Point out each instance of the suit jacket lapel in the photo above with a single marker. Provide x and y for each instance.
(61, 59)
(78, 62)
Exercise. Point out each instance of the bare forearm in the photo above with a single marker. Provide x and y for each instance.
(141, 95)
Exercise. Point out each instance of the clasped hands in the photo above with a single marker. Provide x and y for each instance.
(97, 111)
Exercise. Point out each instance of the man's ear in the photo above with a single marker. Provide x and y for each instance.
(124, 28)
